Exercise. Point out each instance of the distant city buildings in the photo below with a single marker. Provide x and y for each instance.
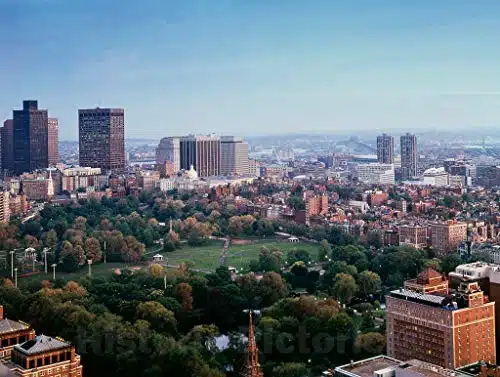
(102, 138)
(201, 152)
(234, 156)
(169, 150)
(409, 156)
(436, 177)
(4, 207)
(7, 145)
(385, 149)
(80, 178)
(376, 173)
(53, 141)
(30, 139)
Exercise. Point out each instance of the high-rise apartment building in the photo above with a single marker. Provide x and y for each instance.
(234, 156)
(385, 149)
(446, 236)
(426, 322)
(30, 138)
(53, 141)
(102, 138)
(202, 152)
(8, 145)
(169, 150)
(409, 156)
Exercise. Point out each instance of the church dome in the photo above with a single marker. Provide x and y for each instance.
(191, 173)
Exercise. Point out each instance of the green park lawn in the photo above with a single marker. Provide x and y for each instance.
(239, 256)
(206, 258)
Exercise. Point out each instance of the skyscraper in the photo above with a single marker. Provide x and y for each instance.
(203, 152)
(102, 138)
(30, 138)
(53, 141)
(409, 156)
(169, 150)
(385, 149)
(234, 156)
(8, 145)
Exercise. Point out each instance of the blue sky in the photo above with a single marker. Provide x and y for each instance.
(250, 67)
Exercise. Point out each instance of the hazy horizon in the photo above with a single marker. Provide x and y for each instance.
(255, 67)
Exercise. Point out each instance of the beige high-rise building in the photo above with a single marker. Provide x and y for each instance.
(201, 152)
(4, 206)
(53, 141)
(169, 150)
(234, 156)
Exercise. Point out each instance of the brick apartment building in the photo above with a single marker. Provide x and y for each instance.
(413, 235)
(446, 236)
(23, 354)
(440, 328)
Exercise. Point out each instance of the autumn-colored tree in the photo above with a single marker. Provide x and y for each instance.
(156, 270)
(31, 241)
(93, 249)
(273, 288)
(74, 287)
(105, 225)
(50, 238)
(80, 224)
(185, 293)
(67, 248)
(134, 250)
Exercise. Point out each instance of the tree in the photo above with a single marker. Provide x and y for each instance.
(80, 224)
(156, 270)
(369, 283)
(298, 256)
(324, 250)
(93, 249)
(344, 288)
(50, 239)
(160, 318)
(370, 344)
(134, 250)
(69, 263)
(272, 288)
(185, 293)
(450, 262)
(291, 370)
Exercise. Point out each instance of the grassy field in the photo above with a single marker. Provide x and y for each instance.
(239, 256)
(205, 258)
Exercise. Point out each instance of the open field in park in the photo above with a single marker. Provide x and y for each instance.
(205, 258)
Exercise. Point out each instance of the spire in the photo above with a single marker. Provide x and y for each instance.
(252, 366)
(170, 224)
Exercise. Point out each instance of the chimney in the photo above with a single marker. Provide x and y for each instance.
(1, 312)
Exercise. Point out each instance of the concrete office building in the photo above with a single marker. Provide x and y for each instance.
(53, 141)
(102, 139)
(376, 173)
(385, 149)
(201, 152)
(169, 150)
(409, 156)
(234, 156)
(446, 236)
(30, 138)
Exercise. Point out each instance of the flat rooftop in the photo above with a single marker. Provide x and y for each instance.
(365, 368)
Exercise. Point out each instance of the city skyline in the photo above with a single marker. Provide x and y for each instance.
(249, 68)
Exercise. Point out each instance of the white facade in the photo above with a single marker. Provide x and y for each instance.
(169, 150)
(376, 173)
(436, 177)
(80, 177)
(253, 168)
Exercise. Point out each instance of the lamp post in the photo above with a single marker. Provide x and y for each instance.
(54, 271)
(45, 249)
(11, 263)
(105, 251)
(165, 275)
(15, 274)
(89, 261)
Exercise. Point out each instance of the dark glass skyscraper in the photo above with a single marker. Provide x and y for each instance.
(102, 138)
(8, 145)
(30, 138)
(385, 149)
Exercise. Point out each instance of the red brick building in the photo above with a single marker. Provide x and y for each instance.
(12, 333)
(446, 236)
(449, 330)
(413, 235)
